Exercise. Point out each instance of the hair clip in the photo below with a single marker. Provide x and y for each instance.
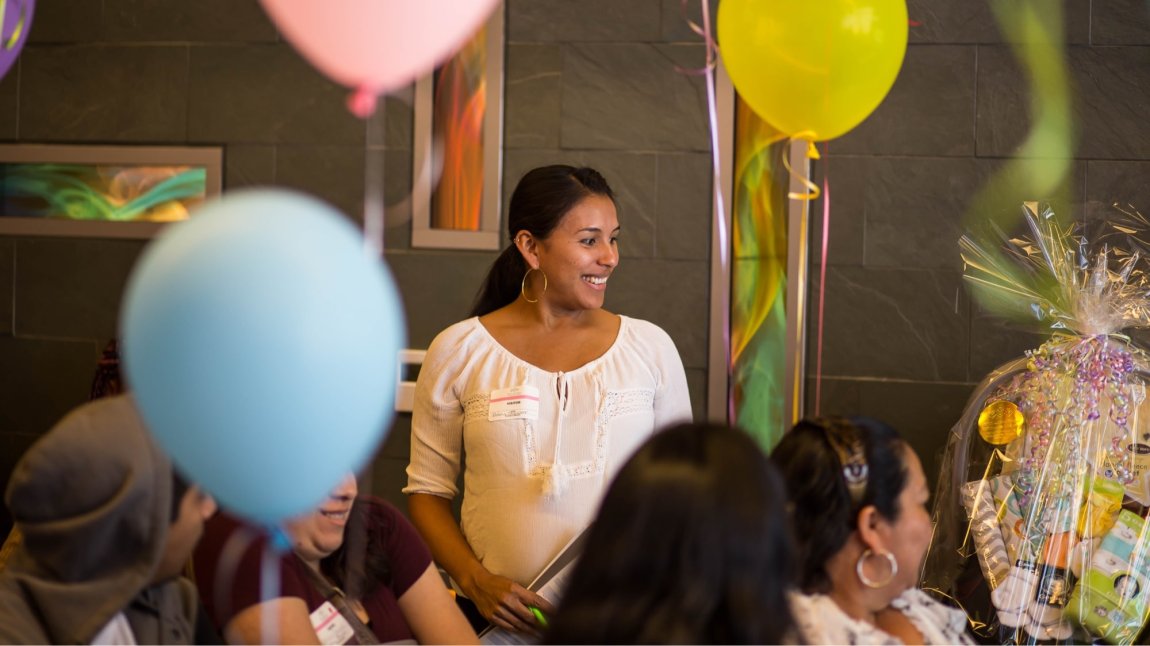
(849, 448)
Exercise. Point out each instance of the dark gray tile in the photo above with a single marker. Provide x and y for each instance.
(1122, 183)
(1111, 84)
(848, 182)
(940, 21)
(632, 176)
(892, 324)
(7, 273)
(919, 226)
(995, 341)
(684, 206)
(9, 103)
(1120, 22)
(71, 288)
(103, 86)
(332, 173)
(265, 94)
(923, 413)
(389, 477)
(176, 20)
(630, 96)
(586, 21)
(671, 294)
(67, 22)
(246, 165)
(13, 446)
(42, 380)
(697, 385)
(533, 91)
(675, 25)
(438, 288)
(835, 396)
(397, 444)
(397, 185)
(927, 111)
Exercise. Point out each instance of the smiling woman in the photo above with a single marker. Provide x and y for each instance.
(545, 391)
(356, 569)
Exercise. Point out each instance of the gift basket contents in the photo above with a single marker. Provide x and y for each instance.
(1046, 478)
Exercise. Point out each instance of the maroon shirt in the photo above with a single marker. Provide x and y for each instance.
(408, 558)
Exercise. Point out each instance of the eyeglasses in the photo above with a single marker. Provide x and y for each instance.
(847, 444)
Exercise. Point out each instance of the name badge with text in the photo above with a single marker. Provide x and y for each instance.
(518, 402)
(330, 626)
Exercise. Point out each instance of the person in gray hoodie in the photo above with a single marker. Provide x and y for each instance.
(107, 528)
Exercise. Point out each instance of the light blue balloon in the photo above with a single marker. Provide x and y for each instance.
(261, 340)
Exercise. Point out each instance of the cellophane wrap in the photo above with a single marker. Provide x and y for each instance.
(1040, 517)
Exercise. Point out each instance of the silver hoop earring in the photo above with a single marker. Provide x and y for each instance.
(523, 285)
(869, 582)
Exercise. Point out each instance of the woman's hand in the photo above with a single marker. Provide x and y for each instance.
(507, 604)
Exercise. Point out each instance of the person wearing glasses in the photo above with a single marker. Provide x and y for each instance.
(858, 500)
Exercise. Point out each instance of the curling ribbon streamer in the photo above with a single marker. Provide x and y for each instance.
(822, 287)
(716, 184)
(812, 153)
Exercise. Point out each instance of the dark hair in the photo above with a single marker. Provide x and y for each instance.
(543, 196)
(360, 565)
(179, 488)
(690, 546)
(823, 512)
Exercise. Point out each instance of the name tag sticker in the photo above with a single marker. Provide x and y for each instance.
(330, 626)
(518, 402)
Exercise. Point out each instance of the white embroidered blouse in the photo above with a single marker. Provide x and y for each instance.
(821, 621)
(541, 447)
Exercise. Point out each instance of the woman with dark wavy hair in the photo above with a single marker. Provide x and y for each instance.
(690, 547)
(543, 390)
(858, 498)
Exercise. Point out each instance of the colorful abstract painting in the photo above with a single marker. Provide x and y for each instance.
(460, 105)
(759, 279)
(100, 192)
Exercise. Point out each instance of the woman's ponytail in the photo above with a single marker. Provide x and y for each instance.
(501, 287)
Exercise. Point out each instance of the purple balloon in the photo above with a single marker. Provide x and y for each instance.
(15, 22)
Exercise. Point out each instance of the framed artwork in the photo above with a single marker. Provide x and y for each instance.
(102, 191)
(458, 147)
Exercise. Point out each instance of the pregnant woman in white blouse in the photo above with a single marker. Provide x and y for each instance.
(545, 392)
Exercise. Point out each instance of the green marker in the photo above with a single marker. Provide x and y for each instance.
(539, 616)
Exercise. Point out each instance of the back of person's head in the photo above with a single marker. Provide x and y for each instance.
(540, 200)
(93, 499)
(824, 509)
(690, 546)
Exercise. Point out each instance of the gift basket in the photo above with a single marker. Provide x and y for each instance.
(1040, 517)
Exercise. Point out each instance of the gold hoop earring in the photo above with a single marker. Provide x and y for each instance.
(523, 285)
(869, 582)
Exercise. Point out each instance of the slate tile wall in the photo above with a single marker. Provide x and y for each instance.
(591, 82)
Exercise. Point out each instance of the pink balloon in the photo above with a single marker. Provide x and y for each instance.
(376, 46)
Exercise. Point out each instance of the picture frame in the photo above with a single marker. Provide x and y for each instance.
(103, 191)
(457, 161)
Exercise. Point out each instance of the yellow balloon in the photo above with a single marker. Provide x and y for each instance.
(813, 68)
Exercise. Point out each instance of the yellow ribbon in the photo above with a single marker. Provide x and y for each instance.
(813, 191)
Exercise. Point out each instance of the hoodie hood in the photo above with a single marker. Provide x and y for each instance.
(93, 501)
